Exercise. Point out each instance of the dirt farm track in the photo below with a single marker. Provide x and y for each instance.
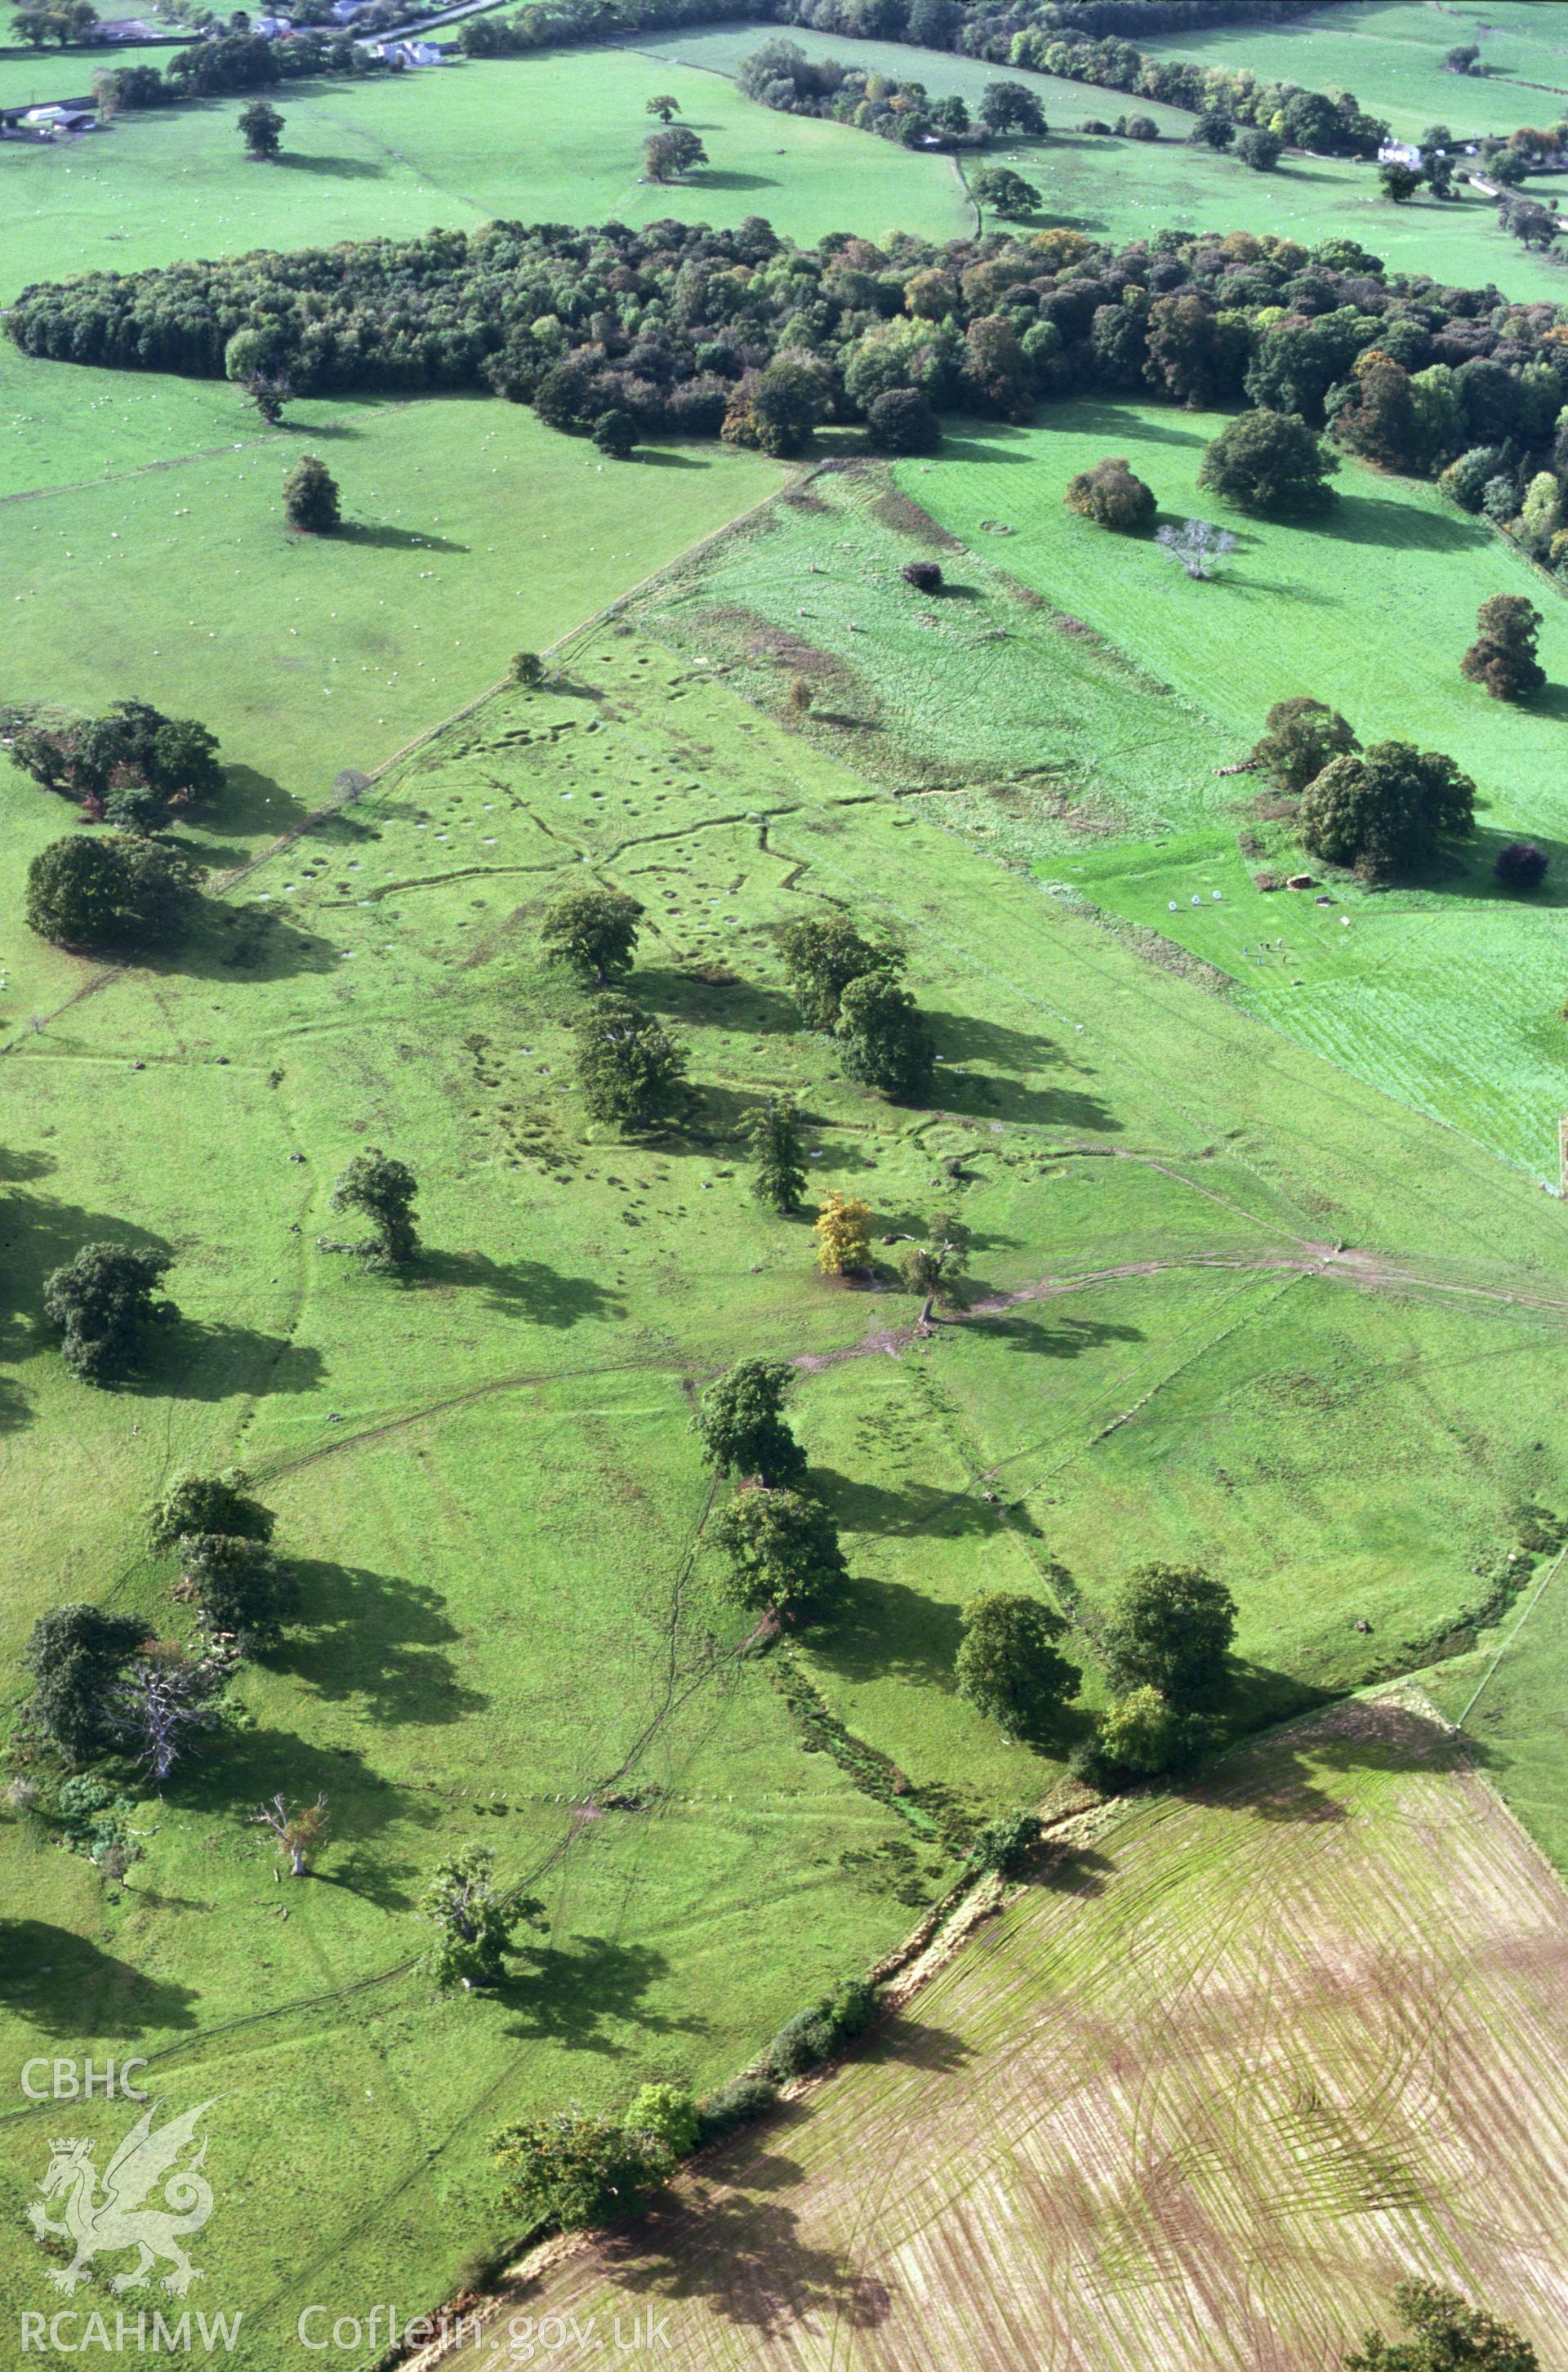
(1195, 2101)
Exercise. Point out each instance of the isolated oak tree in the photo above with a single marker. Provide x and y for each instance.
(783, 1552)
(663, 105)
(1299, 738)
(1387, 812)
(773, 1132)
(739, 1421)
(474, 1919)
(1170, 1629)
(629, 1068)
(1012, 107)
(822, 953)
(593, 932)
(76, 1655)
(668, 156)
(102, 1301)
(384, 1191)
(1008, 1666)
(261, 127)
(311, 497)
(1503, 655)
(1111, 495)
(1006, 192)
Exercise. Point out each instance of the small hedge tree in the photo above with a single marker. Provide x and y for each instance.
(311, 497)
(1006, 192)
(1520, 864)
(1268, 462)
(1111, 495)
(843, 1230)
(474, 1920)
(900, 420)
(384, 1191)
(261, 127)
(238, 1587)
(571, 2171)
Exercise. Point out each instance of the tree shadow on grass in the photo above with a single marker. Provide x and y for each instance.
(1384, 520)
(374, 1879)
(383, 537)
(738, 1004)
(728, 180)
(254, 942)
(1471, 876)
(741, 2250)
(574, 1996)
(978, 1095)
(1049, 1333)
(885, 1630)
(254, 1764)
(659, 457)
(193, 1361)
(354, 168)
(917, 1511)
(63, 1984)
(524, 1288)
(374, 1639)
(253, 807)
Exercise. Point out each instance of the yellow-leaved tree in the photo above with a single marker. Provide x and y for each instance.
(843, 1242)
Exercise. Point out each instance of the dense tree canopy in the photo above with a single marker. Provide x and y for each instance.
(1169, 1630)
(1269, 462)
(1008, 1665)
(110, 895)
(1444, 2334)
(1111, 495)
(742, 1426)
(218, 1504)
(101, 1302)
(1300, 736)
(1503, 655)
(822, 953)
(592, 931)
(76, 1655)
(384, 1191)
(134, 765)
(685, 328)
(783, 1554)
(629, 1070)
(884, 1039)
(1387, 813)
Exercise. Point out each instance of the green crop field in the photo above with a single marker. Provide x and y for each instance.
(1123, 189)
(1297, 611)
(1390, 53)
(1262, 1277)
(1235, 2064)
(553, 138)
(1154, 1322)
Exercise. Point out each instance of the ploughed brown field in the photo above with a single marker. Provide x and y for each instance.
(1199, 2100)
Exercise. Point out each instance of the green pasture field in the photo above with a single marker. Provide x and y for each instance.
(557, 138)
(1120, 189)
(30, 77)
(473, 531)
(1390, 53)
(1448, 996)
(487, 1477)
(1307, 2010)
